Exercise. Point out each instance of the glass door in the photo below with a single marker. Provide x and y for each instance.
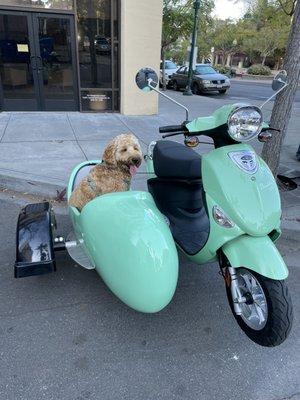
(18, 74)
(37, 62)
(55, 41)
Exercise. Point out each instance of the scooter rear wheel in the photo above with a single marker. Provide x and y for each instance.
(267, 315)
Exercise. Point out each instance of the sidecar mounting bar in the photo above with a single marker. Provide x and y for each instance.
(59, 244)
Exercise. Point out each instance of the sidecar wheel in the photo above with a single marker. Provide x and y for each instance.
(267, 315)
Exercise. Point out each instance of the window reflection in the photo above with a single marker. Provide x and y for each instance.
(15, 66)
(50, 4)
(98, 48)
(56, 56)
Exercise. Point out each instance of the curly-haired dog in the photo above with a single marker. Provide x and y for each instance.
(120, 160)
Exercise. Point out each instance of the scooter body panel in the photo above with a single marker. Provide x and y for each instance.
(249, 198)
(131, 246)
(258, 254)
(218, 236)
(219, 117)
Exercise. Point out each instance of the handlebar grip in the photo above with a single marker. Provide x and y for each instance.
(172, 128)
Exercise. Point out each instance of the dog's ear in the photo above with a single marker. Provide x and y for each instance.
(109, 155)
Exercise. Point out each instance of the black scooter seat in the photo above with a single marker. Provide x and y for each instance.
(174, 160)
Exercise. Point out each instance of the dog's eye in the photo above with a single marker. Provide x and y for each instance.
(136, 148)
(124, 149)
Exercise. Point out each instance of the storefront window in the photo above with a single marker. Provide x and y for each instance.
(97, 25)
(47, 4)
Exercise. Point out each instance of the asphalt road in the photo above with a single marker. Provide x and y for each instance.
(64, 336)
(248, 90)
(253, 91)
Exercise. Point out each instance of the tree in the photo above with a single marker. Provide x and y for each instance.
(178, 51)
(264, 31)
(205, 29)
(178, 23)
(282, 109)
(225, 38)
(264, 42)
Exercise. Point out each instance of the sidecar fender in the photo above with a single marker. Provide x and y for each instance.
(132, 248)
(258, 254)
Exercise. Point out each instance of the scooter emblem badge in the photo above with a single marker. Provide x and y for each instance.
(245, 160)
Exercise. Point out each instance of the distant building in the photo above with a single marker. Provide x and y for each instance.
(237, 59)
(68, 55)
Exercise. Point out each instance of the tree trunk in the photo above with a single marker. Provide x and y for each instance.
(224, 58)
(228, 60)
(263, 60)
(283, 104)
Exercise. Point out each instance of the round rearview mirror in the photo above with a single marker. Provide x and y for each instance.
(146, 79)
(279, 80)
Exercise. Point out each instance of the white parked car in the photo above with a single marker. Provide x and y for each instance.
(170, 69)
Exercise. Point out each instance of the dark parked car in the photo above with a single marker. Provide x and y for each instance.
(102, 45)
(205, 79)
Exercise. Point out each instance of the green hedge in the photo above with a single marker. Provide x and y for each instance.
(223, 69)
(258, 69)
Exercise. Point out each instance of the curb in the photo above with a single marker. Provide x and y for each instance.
(251, 79)
(31, 186)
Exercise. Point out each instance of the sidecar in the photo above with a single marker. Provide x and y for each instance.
(122, 235)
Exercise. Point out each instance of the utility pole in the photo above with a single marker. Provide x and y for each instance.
(188, 91)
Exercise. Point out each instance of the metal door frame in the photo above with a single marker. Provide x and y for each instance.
(35, 23)
(33, 38)
(36, 95)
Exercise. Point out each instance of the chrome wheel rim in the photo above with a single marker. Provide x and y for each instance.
(255, 309)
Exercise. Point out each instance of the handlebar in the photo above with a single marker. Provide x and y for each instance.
(172, 128)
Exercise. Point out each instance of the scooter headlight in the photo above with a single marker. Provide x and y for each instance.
(244, 123)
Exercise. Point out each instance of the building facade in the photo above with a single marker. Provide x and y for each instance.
(78, 55)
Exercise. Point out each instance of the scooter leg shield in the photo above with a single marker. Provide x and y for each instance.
(258, 254)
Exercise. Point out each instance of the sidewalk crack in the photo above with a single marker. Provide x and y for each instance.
(289, 397)
(131, 130)
(76, 138)
(3, 134)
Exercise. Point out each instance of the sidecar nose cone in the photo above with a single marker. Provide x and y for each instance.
(132, 248)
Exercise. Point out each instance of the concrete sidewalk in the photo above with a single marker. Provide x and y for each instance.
(39, 150)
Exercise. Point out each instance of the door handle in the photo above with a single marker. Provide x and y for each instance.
(40, 64)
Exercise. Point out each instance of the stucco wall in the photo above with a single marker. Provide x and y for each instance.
(141, 22)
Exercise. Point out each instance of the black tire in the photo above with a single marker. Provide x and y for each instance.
(175, 86)
(195, 88)
(223, 91)
(280, 312)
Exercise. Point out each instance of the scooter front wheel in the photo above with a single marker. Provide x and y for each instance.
(265, 307)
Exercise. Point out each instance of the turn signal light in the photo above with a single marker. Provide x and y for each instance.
(221, 218)
(265, 136)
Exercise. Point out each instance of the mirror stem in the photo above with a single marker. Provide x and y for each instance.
(273, 95)
(169, 98)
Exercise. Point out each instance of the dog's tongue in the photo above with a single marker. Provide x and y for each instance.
(133, 170)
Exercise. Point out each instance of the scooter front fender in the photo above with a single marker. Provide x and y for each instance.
(258, 254)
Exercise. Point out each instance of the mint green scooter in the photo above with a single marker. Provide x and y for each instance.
(225, 206)
(222, 206)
